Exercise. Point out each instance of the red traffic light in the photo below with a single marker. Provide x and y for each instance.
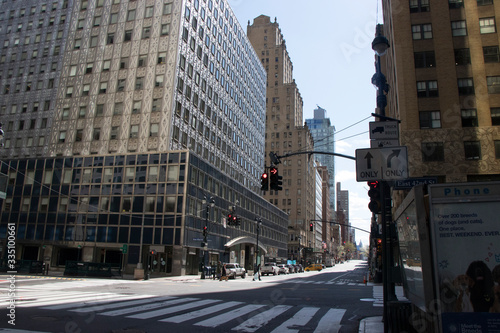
(273, 171)
(373, 184)
(264, 176)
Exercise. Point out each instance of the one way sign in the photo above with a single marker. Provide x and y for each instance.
(389, 163)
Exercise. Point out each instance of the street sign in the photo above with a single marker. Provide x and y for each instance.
(384, 130)
(410, 182)
(124, 248)
(384, 143)
(382, 164)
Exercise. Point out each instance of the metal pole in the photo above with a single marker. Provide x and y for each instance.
(257, 252)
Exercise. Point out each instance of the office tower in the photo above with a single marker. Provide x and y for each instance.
(323, 134)
(285, 132)
(343, 214)
(443, 70)
(104, 104)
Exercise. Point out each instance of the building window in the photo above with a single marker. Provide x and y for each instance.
(97, 134)
(153, 130)
(149, 12)
(134, 131)
(495, 116)
(458, 28)
(62, 136)
(93, 41)
(465, 86)
(167, 8)
(136, 107)
(427, 89)
(421, 31)
(159, 81)
(491, 54)
(493, 83)
(118, 109)
(417, 6)
(111, 38)
(106, 65)
(472, 150)
(139, 83)
(146, 32)
(162, 58)
(120, 86)
(462, 57)
(156, 105)
(432, 152)
(79, 135)
(487, 25)
(497, 149)
(141, 62)
(455, 3)
(165, 29)
(425, 59)
(127, 36)
(131, 15)
(484, 2)
(103, 87)
(99, 110)
(113, 134)
(469, 117)
(69, 92)
(82, 111)
(86, 90)
(430, 119)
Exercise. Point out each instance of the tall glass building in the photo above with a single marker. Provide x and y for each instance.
(104, 104)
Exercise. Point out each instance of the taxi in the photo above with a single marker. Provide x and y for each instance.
(314, 267)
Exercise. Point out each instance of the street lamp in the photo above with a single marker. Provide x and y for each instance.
(299, 238)
(210, 203)
(258, 220)
(380, 45)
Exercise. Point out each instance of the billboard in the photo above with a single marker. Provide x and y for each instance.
(465, 230)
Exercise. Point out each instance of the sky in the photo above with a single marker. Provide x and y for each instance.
(329, 43)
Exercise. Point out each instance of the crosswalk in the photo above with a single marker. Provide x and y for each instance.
(198, 312)
(338, 282)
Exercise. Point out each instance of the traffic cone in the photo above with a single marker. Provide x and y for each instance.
(364, 280)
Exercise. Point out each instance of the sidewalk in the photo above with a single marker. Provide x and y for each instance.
(371, 325)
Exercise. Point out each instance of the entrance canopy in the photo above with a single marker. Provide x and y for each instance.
(245, 240)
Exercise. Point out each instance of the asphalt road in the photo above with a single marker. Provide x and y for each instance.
(333, 300)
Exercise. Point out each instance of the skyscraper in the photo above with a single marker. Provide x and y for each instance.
(122, 120)
(285, 132)
(323, 134)
(443, 72)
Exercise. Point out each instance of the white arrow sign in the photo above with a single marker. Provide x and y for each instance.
(389, 163)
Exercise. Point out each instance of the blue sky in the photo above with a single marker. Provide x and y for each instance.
(329, 43)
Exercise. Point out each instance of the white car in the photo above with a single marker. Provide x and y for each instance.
(233, 270)
(269, 268)
(283, 269)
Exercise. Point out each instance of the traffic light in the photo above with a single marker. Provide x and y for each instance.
(205, 231)
(275, 179)
(231, 219)
(311, 226)
(375, 204)
(238, 220)
(264, 182)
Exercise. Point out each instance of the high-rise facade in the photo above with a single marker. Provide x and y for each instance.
(122, 119)
(285, 133)
(323, 134)
(443, 70)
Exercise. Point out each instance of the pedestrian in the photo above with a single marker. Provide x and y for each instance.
(224, 274)
(219, 269)
(214, 272)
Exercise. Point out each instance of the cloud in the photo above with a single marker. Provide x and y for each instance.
(345, 175)
(343, 147)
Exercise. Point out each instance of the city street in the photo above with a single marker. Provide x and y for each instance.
(333, 300)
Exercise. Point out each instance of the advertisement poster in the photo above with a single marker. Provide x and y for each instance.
(465, 224)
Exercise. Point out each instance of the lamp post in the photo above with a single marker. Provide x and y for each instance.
(209, 203)
(299, 238)
(380, 45)
(258, 220)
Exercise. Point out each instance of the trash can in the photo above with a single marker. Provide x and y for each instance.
(399, 313)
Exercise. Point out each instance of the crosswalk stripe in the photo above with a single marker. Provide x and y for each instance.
(261, 319)
(300, 319)
(200, 313)
(162, 312)
(148, 306)
(131, 301)
(330, 322)
(52, 301)
(228, 316)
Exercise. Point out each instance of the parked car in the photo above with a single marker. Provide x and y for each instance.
(233, 270)
(314, 267)
(283, 269)
(269, 268)
(291, 268)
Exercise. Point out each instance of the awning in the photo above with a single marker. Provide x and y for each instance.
(245, 240)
